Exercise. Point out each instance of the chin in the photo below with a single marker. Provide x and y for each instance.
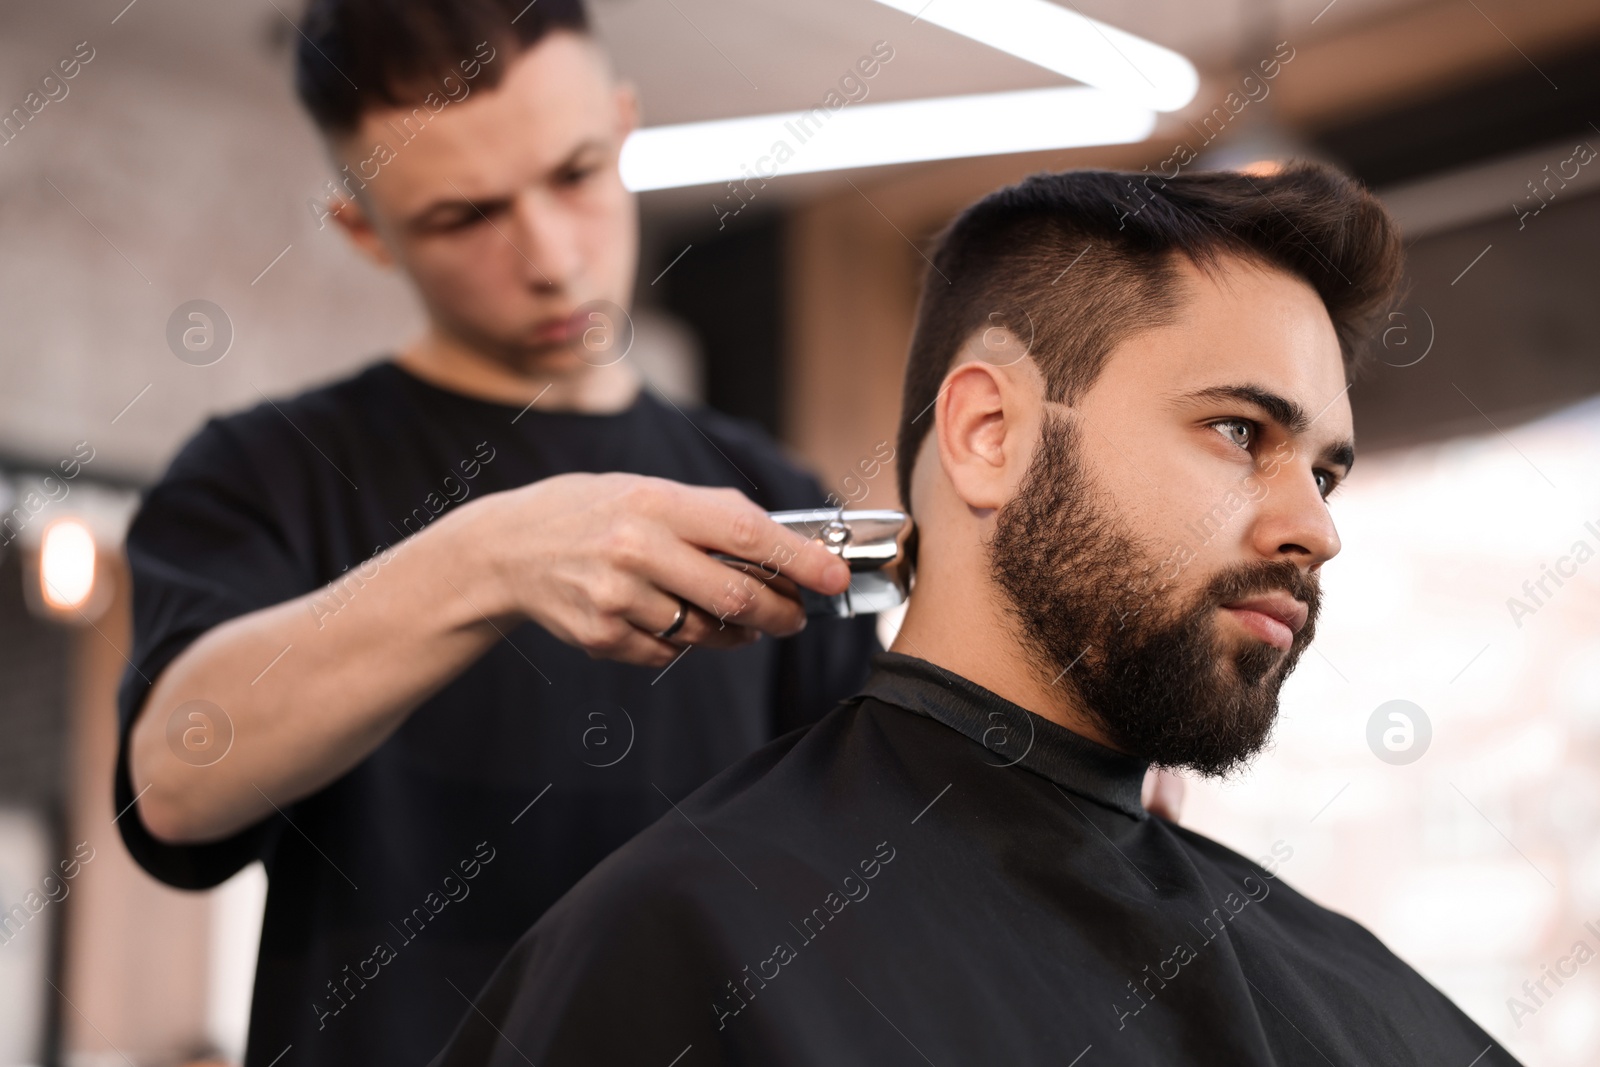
(551, 357)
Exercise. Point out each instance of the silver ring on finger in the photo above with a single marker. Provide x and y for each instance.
(677, 620)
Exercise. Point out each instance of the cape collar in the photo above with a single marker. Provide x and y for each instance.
(1015, 735)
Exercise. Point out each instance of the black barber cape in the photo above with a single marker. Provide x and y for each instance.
(410, 877)
(934, 875)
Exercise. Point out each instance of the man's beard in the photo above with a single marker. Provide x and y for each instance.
(1148, 666)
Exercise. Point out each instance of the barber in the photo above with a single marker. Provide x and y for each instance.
(432, 640)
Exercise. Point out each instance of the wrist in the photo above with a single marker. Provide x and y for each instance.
(466, 549)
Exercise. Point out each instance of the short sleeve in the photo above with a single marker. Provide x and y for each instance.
(204, 548)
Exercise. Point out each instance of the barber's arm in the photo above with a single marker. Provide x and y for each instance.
(599, 560)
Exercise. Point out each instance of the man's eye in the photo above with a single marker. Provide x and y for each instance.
(454, 223)
(1239, 431)
(578, 176)
(1326, 483)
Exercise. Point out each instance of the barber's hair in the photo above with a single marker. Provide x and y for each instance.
(1074, 263)
(355, 56)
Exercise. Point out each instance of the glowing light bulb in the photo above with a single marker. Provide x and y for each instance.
(66, 565)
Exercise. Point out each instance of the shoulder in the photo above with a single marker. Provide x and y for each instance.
(758, 820)
(766, 853)
(727, 887)
(281, 438)
(1267, 865)
(1261, 880)
(298, 420)
(781, 481)
(660, 865)
(655, 924)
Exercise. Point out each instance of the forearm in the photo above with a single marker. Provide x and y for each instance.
(312, 686)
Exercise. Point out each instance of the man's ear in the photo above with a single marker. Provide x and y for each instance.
(984, 423)
(358, 226)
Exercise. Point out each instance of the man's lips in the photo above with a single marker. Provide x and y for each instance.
(1273, 617)
(553, 329)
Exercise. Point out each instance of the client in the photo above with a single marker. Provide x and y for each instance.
(1124, 409)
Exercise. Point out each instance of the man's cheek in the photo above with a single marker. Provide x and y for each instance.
(1176, 563)
(608, 237)
(467, 284)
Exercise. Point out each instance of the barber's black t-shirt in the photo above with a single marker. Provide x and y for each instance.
(395, 891)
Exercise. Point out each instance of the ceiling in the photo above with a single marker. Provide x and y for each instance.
(700, 59)
(706, 59)
(182, 156)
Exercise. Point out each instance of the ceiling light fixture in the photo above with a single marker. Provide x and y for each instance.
(1070, 44)
(761, 147)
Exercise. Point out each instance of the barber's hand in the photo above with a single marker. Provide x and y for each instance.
(600, 561)
(1162, 794)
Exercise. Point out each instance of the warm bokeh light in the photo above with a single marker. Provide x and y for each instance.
(1261, 168)
(66, 565)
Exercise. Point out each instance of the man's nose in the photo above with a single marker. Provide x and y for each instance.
(1294, 522)
(546, 236)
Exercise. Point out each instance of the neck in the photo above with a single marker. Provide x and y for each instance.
(554, 379)
(962, 627)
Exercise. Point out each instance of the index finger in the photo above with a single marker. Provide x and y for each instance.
(725, 520)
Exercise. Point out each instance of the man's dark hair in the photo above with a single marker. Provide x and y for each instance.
(357, 55)
(1073, 263)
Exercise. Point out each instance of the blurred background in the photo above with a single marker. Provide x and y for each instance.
(1437, 771)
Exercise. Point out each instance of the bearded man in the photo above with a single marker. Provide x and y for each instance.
(1125, 409)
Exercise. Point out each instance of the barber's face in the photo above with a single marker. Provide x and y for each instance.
(507, 209)
(1167, 538)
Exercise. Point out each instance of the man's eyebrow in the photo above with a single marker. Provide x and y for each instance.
(1281, 410)
(1342, 454)
(447, 204)
(589, 145)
